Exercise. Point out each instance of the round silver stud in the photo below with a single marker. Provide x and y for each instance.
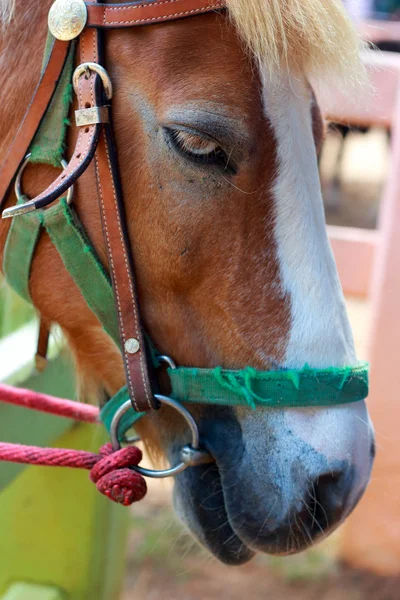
(131, 345)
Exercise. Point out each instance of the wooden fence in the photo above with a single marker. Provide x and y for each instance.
(369, 266)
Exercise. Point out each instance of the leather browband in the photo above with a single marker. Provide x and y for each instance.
(144, 13)
(95, 141)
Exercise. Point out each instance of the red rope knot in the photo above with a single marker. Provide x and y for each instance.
(114, 479)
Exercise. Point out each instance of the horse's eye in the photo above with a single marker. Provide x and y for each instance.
(200, 149)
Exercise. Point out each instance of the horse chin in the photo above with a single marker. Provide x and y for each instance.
(199, 502)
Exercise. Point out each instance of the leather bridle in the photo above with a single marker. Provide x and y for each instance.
(95, 144)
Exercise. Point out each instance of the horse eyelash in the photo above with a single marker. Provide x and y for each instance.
(217, 157)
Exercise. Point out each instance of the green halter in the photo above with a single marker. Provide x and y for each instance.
(246, 387)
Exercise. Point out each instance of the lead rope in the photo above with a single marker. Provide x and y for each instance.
(109, 470)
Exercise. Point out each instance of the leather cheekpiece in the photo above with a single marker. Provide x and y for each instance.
(133, 347)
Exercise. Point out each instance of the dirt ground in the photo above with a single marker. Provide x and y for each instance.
(164, 562)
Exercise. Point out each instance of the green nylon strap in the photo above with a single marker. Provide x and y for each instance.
(19, 250)
(110, 408)
(77, 253)
(279, 389)
(80, 259)
(289, 388)
(47, 147)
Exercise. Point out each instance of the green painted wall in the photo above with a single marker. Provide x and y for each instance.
(56, 529)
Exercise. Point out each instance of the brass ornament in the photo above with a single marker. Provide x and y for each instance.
(67, 19)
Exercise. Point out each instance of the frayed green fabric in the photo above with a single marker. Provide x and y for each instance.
(48, 145)
(19, 250)
(82, 262)
(248, 387)
(292, 387)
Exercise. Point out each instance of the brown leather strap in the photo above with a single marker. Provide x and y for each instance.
(42, 346)
(82, 157)
(119, 253)
(143, 13)
(33, 116)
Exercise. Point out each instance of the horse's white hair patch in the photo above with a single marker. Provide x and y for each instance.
(320, 332)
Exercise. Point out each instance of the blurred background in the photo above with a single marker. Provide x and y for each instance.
(360, 177)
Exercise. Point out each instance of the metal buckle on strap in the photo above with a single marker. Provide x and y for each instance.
(21, 207)
(91, 115)
(88, 67)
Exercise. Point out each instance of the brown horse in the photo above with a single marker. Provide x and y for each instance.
(217, 132)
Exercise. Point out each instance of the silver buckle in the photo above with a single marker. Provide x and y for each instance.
(22, 209)
(85, 69)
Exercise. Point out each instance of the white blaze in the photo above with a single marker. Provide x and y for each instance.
(320, 332)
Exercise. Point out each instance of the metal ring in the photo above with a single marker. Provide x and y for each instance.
(132, 439)
(18, 180)
(85, 68)
(168, 360)
(181, 410)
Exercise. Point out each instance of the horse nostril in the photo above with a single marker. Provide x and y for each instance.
(373, 449)
(328, 497)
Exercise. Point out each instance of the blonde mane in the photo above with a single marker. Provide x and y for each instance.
(6, 11)
(314, 36)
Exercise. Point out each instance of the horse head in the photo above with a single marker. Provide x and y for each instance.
(217, 131)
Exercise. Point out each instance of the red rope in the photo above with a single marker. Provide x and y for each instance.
(108, 470)
(49, 404)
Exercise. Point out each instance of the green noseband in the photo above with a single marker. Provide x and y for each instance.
(304, 387)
